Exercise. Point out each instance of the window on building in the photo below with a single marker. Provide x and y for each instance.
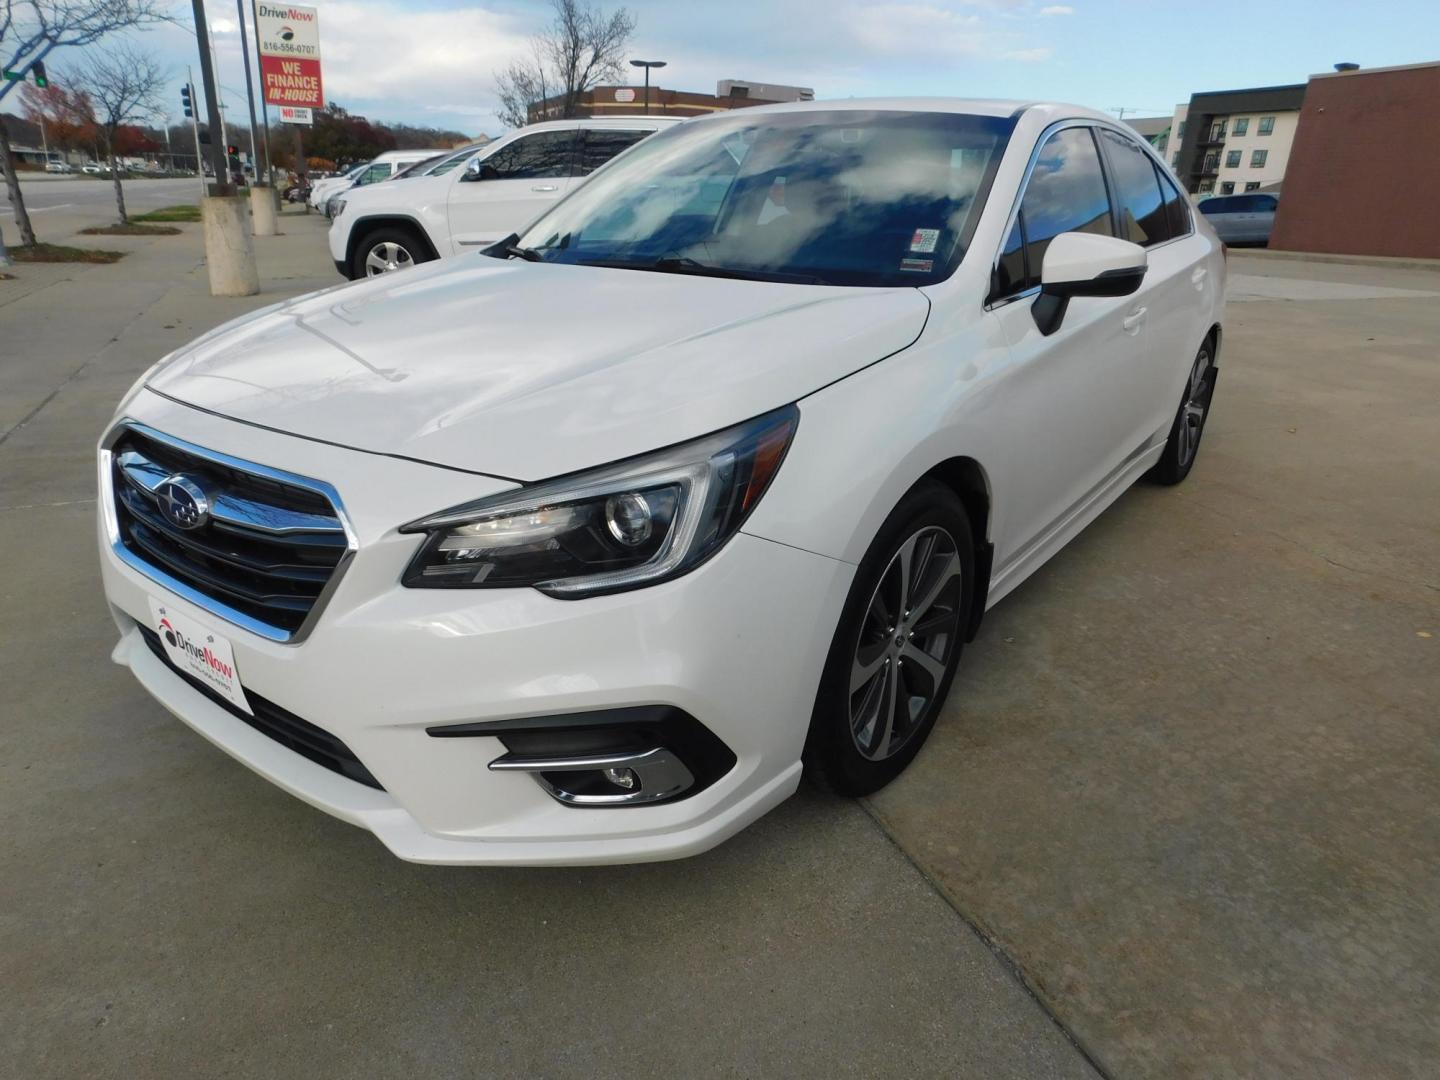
(1175, 161)
(1137, 190)
(1252, 185)
(1242, 125)
(1217, 131)
(1066, 193)
(1232, 159)
(1257, 158)
(1181, 133)
(1267, 125)
(1207, 186)
(1227, 188)
(1212, 162)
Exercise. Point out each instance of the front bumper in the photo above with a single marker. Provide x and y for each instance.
(738, 644)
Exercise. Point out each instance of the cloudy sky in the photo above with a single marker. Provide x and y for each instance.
(433, 61)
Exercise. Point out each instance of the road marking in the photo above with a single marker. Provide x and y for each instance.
(41, 209)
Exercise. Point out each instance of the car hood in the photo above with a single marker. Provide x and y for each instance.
(529, 370)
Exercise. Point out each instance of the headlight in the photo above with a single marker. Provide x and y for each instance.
(622, 526)
(338, 208)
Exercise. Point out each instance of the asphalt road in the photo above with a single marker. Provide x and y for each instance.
(59, 207)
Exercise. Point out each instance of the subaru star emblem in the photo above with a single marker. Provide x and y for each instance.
(183, 502)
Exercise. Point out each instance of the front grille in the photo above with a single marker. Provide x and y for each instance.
(283, 726)
(271, 545)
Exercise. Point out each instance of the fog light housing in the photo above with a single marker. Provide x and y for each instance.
(622, 778)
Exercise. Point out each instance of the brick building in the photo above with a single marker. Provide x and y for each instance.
(1364, 170)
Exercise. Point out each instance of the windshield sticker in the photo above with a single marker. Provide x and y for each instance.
(924, 240)
(920, 266)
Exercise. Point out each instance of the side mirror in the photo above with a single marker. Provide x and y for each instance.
(1084, 264)
(475, 169)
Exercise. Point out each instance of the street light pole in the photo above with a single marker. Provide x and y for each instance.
(647, 65)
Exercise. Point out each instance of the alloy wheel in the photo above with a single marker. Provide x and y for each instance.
(1192, 413)
(908, 639)
(386, 257)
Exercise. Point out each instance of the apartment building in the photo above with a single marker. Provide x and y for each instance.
(1229, 141)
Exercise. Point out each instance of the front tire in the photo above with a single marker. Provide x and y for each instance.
(896, 647)
(1183, 445)
(386, 250)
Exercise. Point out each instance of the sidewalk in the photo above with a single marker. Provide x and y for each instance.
(164, 912)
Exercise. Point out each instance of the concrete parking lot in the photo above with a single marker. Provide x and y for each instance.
(1176, 821)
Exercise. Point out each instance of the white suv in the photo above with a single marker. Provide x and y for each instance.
(502, 187)
(379, 168)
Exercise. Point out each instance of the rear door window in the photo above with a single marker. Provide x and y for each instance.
(1137, 191)
(600, 145)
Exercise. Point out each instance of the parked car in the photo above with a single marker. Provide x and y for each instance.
(1242, 219)
(583, 551)
(91, 168)
(371, 172)
(59, 167)
(502, 186)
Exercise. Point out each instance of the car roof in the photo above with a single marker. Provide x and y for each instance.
(601, 122)
(1047, 111)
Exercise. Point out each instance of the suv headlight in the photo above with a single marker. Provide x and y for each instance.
(338, 209)
(637, 522)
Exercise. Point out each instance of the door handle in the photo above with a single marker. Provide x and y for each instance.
(546, 187)
(1132, 322)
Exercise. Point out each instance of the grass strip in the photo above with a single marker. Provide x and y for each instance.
(59, 253)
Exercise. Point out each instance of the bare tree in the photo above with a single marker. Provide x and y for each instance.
(123, 86)
(583, 48)
(31, 29)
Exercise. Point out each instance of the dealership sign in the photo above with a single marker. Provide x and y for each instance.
(290, 56)
(292, 114)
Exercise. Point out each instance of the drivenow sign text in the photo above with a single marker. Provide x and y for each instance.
(290, 55)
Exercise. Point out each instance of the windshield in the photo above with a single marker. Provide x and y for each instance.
(823, 197)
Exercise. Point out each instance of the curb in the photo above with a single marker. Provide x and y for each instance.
(1394, 262)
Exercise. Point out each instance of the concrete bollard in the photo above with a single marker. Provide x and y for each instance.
(265, 208)
(229, 250)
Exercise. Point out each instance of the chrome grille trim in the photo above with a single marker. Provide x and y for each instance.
(231, 513)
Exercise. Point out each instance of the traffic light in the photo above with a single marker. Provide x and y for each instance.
(232, 149)
(41, 79)
(186, 101)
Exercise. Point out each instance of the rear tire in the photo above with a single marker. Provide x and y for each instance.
(1183, 445)
(896, 647)
(387, 249)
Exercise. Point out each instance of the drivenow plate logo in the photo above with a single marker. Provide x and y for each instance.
(200, 653)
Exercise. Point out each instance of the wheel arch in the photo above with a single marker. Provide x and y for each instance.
(364, 226)
(967, 478)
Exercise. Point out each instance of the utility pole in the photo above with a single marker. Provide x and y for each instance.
(195, 127)
(249, 85)
(44, 140)
(264, 109)
(222, 185)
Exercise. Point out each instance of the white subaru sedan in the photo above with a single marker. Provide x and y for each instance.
(584, 549)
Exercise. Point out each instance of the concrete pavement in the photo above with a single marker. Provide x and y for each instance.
(1187, 776)
(164, 912)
